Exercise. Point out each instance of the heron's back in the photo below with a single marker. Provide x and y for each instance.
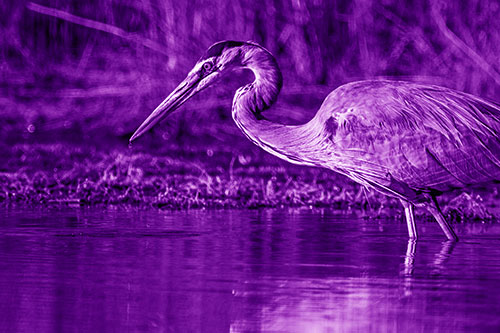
(425, 137)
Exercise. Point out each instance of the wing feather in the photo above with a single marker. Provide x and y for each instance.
(427, 137)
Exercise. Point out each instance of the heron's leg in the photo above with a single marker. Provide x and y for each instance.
(434, 209)
(410, 219)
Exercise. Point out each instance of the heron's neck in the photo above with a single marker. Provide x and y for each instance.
(254, 98)
(259, 95)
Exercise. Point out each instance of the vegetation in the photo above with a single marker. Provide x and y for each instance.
(78, 77)
(176, 179)
(179, 177)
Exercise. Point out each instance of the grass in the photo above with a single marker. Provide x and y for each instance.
(180, 177)
(62, 173)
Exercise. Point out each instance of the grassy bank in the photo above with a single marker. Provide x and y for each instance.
(181, 177)
(178, 178)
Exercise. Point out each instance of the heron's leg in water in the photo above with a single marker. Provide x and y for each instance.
(410, 218)
(434, 209)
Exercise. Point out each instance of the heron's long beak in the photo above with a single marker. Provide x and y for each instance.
(181, 94)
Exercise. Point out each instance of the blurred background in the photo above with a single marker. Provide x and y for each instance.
(97, 66)
(89, 72)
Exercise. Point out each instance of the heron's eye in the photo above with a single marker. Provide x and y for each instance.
(207, 66)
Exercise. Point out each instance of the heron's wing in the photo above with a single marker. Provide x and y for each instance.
(426, 137)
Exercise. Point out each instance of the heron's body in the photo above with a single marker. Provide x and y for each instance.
(406, 140)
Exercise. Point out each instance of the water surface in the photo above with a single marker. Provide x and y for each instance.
(241, 271)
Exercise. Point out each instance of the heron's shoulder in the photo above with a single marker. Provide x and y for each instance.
(371, 91)
(384, 99)
(405, 108)
(364, 99)
(383, 92)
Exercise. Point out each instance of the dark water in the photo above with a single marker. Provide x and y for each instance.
(218, 271)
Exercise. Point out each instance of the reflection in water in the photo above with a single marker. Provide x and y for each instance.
(444, 255)
(261, 270)
(410, 257)
(440, 258)
(438, 264)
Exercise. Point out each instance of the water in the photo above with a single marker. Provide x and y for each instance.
(242, 271)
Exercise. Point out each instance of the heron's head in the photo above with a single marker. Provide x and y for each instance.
(219, 58)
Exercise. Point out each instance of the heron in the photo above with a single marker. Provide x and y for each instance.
(406, 140)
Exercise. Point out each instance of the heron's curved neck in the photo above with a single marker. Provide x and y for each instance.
(254, 98)
(259, 95)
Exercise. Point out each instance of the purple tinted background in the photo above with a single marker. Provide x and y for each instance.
(91, 71)
(78, 77)
(102, 66)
